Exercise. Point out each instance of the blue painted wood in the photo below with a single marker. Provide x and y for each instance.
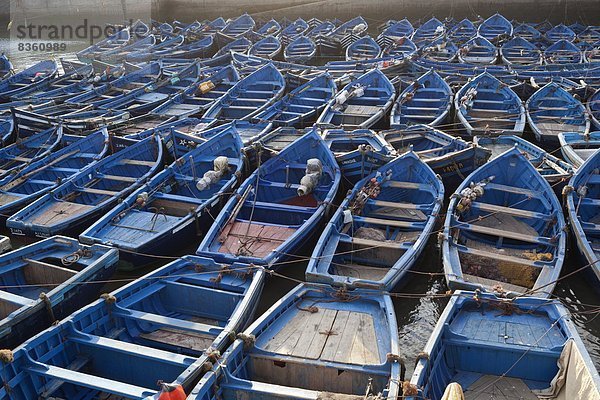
(493, 235)
(560, 32)
(249, 96)
(357, 26)
(576, 148)
(426, 101)
(374, 244)
(361, 103)
(91, 192)
(239, 26)
(593, 108)
(495, 28)
(358, 152)
(439, 50)
(582, 209)
(157, 51)
(268, 47)
(61, 268)
(112, 42)
(259, 372)
(23, 186)
(402, 28)
(401, 47)
(478, 50)
(563, 52)
(462, 32)
(486, 106)
(527, 32)
(172, 209)
(365, 48)
(271, 27)
(428, 32)
(33, 77)
(520, 51)
(29, 146)
(6, 67)
(164, 326)
(293, 30)
(300, 50)
(119, 54)
(552, 110)
(302, 105)
(270, 198)
(473, 338)
(556, 171)
(450, 157)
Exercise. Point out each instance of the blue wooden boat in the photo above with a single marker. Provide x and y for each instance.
(560, 32)
(209, 28)
(504, 231)
(365, 48)
(593, 108)
(300, 50)
(520, 51)
(269, 367)
(302, 105)
(91, 192)
(324, 28)
(269, 47)
(22, 187)
(478, 50)
(577, 27)
(269, 28)
(174, 206)
(32, 77)
(592, 55)
(527, 32)
(495, 28)
(576, 148)
(140, 78)
(449, 157)
(139, 29)
(462, 32)
(239, 45)
(144, 99)
(293, 30)
(6, 67)
(543, 26)
(6, 129)
(269, 143)
(425, 101)
(358, 152)
(157, 51)
(552, 110)
(486, 106)
(401, 47)
(428, 32)
(201, 48)
(485, 346)
(563, 52)
(439, 50)
(246, 130)
(551, 168)
(589, 35)
(197, 98)
(381, 227)
(277, 208)
(239, 26)
(30, 146)
(356, 26)
(361, 103)
(119, 54)
(398, 29)
(61, 88)
(148, 330)
(112, 42)
(582, 206)
(46, 281)
(249, 96)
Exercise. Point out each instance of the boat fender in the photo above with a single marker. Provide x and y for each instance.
(453, 392)
(220, 167)
(141, 199)
(206, 87)
(248, 340)
(409, 389)
(342, 97)
(314, 170)
(6, 356)
(169, 391)
(359, 28)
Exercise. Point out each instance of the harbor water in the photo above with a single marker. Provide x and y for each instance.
(418, 304)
